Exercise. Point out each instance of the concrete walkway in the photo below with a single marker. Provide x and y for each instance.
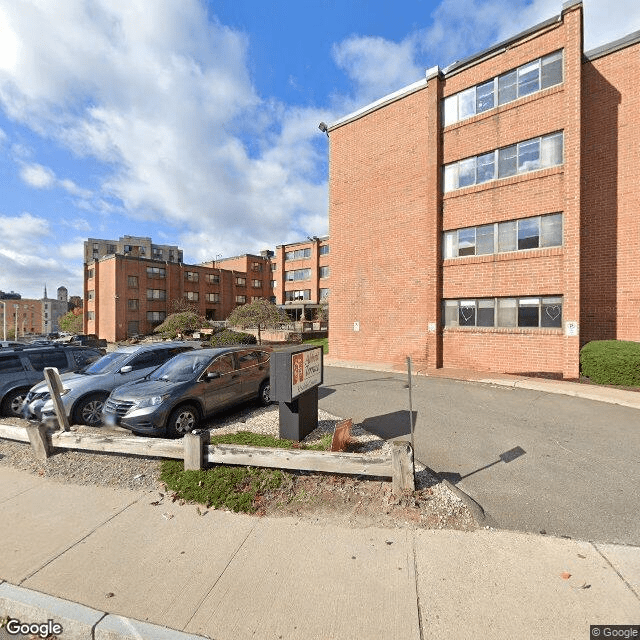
(110, 558)
(611, 395)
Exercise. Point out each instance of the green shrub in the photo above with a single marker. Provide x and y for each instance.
(234, 488)
(611, 362)
(228, 337)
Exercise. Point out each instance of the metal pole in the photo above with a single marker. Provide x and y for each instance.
(4, 320)
(410, 403)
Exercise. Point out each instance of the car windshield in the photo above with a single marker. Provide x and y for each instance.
(181, 368)
(107, 364)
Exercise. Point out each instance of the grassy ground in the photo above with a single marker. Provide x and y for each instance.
(323, 342)
(224, 486)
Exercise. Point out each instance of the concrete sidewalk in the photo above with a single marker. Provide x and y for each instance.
(229, 576)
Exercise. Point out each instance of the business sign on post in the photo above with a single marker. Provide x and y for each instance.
(306, 371)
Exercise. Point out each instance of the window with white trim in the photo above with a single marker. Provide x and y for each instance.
(540, 311)
(212, 297)
(156, 294)
(297, 274)
(523, 157)
(193, 296)
(500, 237)
(323, 272)
(533, 76)
(298, 254)
(302, 294)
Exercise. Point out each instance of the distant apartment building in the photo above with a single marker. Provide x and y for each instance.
(486, 216)
(301, 276)
(130, 294)
(32, 317)
(140, 247)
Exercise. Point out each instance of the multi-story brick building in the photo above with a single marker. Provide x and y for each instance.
(135, 246)
(301, 276)
(128, 295)
(500, 204)
(27, 316)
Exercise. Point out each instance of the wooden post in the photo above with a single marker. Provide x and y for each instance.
(54, 383)
(39, 442)
(194, 448)
(402, 465)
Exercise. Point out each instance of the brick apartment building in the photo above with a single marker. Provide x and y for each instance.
(129, 294)
(501, 205)
(29, 316)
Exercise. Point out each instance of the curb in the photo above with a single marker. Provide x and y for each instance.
(476, 510)
(78, 621)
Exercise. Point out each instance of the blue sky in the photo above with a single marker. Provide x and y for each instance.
(196, 123)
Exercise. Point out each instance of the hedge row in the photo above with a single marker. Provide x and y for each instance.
(611, 362)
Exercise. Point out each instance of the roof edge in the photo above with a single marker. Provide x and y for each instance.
(612, 47)
(378, 104)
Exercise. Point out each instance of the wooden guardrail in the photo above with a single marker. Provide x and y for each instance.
(197, 453)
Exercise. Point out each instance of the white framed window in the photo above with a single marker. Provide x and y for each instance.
(523, 157)
(156, 294)
(192, 296)
(533, 76)
(536, 232)
(536, 312)
(301, 294)
(297, 274)
(212, 297)
(298, 254)
(323, 272)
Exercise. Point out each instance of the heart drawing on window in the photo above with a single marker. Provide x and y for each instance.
(553, 311)
(467, 313)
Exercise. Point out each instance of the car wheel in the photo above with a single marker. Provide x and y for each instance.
(182, 420)
(264, 395)
(12, 403)
(89, 410)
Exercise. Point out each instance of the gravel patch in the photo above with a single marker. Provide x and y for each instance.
(432, 505)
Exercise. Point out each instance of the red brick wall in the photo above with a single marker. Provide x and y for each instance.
(385, 224)
(610, 260)
(378, 193)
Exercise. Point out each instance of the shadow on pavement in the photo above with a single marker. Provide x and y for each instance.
(506, 457)
(323, 392)
(390, 425)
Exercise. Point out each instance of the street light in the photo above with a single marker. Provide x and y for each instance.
(15, 333)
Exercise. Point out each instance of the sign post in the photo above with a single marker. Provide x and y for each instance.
(296, 374)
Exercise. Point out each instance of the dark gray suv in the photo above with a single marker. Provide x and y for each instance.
(22, 367)
(188, 388)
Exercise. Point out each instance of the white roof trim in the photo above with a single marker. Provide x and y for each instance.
(378, 104)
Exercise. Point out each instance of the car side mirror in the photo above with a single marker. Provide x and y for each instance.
(126, 369)
(212, 375)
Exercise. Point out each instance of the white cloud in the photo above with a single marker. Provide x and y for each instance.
(22, 229)
(457, 29)
(28, 261)
(37, 176)
(377, 66)
(164, 95)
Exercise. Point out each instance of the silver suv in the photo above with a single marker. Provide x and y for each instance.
(21, 367)
(84, 393)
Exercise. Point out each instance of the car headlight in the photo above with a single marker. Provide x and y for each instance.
(151, 401)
